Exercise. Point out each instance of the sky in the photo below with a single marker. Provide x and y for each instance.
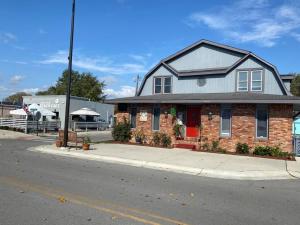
(116, 40)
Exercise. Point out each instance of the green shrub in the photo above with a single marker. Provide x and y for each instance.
(122, 132)
(165, 140)
(215, 146)
(205, 147)
(242, 148)
(156, 138)
(270, 151)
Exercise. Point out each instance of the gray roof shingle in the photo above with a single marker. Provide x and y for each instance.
(210, 98)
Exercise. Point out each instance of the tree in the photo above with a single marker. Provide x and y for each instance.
(83, 85)
(16, 98)
(295, 85)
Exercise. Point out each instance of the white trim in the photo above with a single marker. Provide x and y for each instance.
(238, 80)
(261, 80)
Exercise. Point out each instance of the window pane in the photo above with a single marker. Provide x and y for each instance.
(167, 85)
(225, 123)
(157, 89)
(157, 85)
(243, 76)
(256, 85)
(157, 81)
(257, 75)
(242, 81)
(256, 80)
(167, 89)
(262, 123)
(133, 118)
(156, 115)
(168, 81)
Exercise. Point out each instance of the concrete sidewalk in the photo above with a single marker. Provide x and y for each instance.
(185, 161)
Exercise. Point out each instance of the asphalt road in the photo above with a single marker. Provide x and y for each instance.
(36, 189)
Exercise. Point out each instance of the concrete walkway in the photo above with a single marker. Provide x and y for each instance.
(185, 161)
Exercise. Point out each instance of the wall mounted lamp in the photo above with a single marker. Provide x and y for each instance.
(210, 115)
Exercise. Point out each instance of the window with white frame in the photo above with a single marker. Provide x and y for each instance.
(225, 121)
(261, 121)
(242, 81)
(167, 85)
(162, 85)
(157, 85)
(256, 80)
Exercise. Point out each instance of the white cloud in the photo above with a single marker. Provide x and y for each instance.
(251, 21)
(108, 80)
(16, 79)
(99, 64)
(6, 37)
(31, 90)
(124, 91)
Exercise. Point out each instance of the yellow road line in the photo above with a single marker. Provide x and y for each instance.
(77, 199)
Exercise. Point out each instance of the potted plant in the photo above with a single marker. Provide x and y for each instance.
(86, 143)
(177, 129)
(58, 143)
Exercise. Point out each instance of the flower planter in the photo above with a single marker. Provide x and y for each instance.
(85, 147)
(58, 143)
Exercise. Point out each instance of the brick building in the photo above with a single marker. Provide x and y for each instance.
(216, 93)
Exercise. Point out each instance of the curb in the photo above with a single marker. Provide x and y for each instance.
(236, 175)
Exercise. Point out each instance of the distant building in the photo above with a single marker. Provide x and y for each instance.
(5, 107)
(56, 104)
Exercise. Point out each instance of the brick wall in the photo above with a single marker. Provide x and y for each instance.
(165, 121)
(243, 125)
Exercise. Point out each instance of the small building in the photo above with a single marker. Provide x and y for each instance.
(6, 107)
(57, 105)
(217, 93)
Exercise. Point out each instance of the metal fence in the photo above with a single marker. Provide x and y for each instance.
(28, 126)
(89, 126)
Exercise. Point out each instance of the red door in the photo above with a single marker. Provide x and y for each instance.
(193, 121)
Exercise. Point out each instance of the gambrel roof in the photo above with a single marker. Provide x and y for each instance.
(244, 55)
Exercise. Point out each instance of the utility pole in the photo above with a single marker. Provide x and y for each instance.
(137, 85)
(70, 58)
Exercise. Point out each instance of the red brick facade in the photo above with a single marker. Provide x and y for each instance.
(243, 125)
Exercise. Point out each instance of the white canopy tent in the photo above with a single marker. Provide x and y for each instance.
(18, 112)
(85, 112)
(44, 112)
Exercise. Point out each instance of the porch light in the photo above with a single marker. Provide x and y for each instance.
(166, 113)
(210, 114)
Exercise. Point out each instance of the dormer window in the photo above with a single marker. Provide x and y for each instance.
(250, 80)
(256, 80)
(242, 81)
(157, 85)
(162, 85)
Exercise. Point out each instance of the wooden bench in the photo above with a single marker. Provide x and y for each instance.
(72, 137)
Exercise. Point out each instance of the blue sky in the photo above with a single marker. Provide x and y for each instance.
(118, 39)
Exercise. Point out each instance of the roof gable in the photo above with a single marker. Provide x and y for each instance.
(239, 55)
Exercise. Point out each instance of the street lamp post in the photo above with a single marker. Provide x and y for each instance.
(66, 127)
